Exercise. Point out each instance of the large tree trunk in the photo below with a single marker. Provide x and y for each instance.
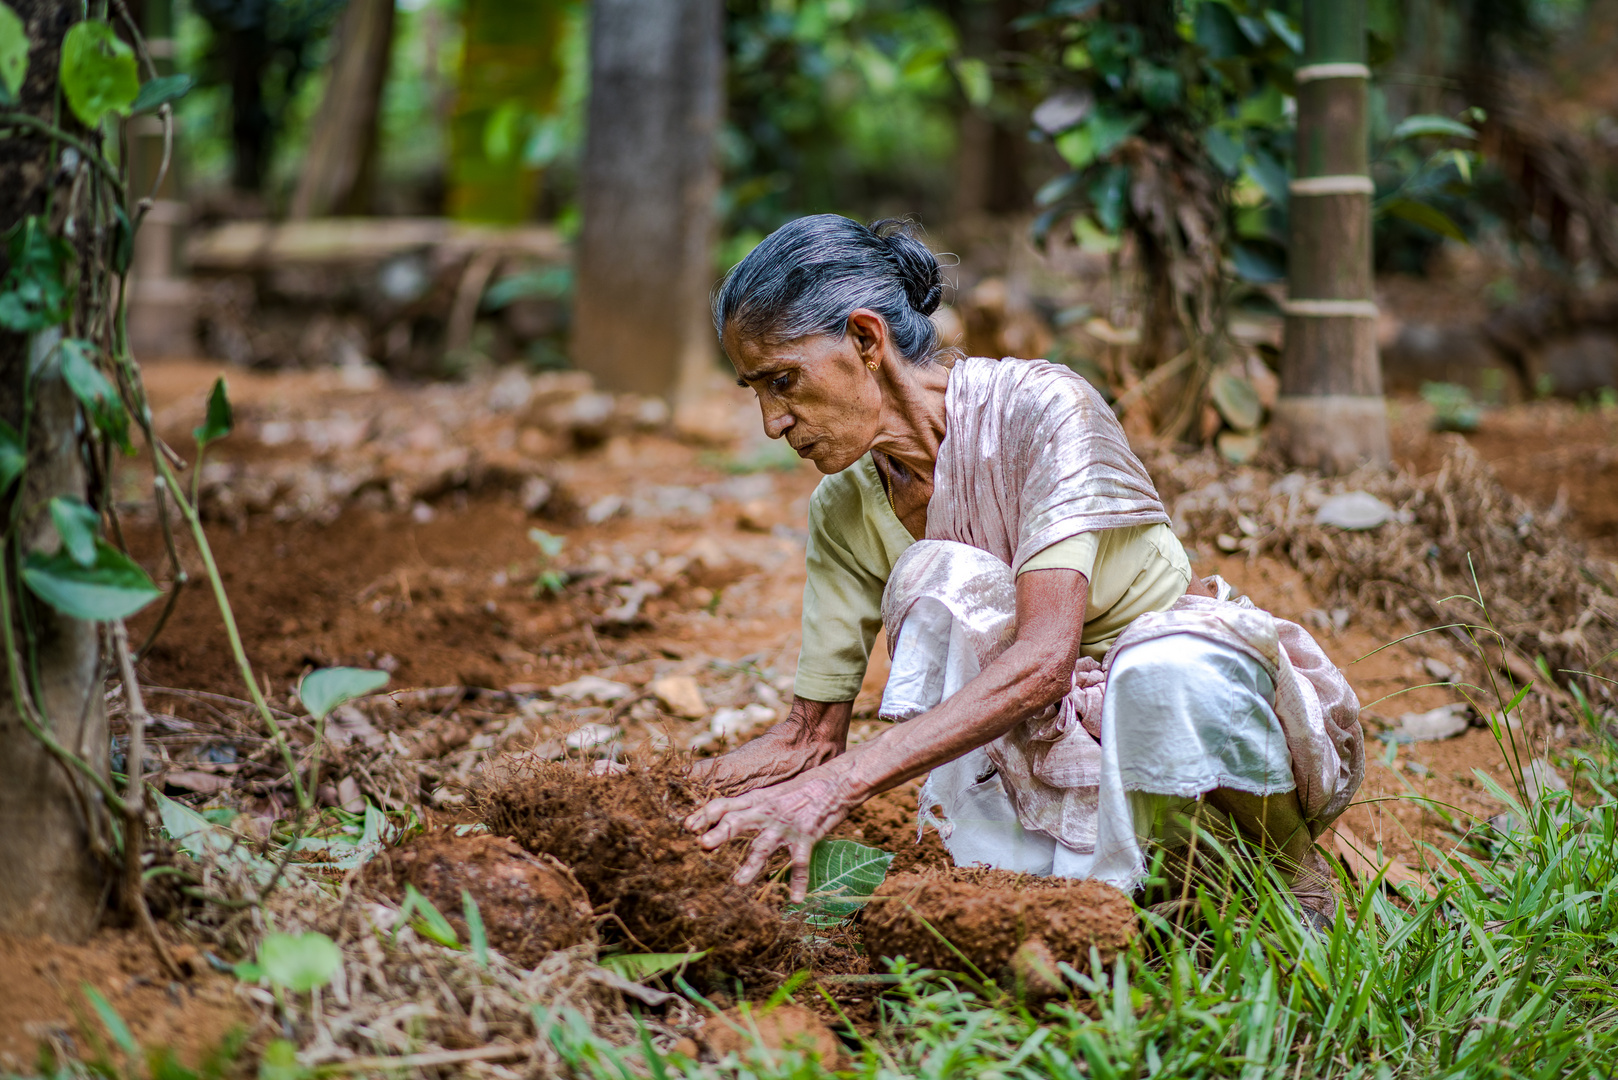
(1331, 414)
(52, 882)
(511, 59)
(650, 179)
(338, 169)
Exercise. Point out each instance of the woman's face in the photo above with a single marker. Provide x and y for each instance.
(817, 392)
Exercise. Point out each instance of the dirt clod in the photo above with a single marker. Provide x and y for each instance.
(785, 1027)
(1003, 923)
(530, 905)
(623, 838)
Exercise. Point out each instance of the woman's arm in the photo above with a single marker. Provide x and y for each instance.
(1031, 675)
(812, 734)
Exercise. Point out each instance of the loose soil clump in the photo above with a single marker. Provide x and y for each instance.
(999, 921)
(623, 838)
(530, 905)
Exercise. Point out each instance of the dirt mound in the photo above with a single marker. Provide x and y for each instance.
(622, 837)
(991, 916)
(785, 1027)
(530, 906)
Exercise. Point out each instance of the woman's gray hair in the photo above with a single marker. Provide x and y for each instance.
(811, 274)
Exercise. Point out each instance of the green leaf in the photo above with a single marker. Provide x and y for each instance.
(34, 295)
(1109, 194)
(1077, 146)
(13, 456)
(322, 691)
(842, 876)
(248, 971)
(1414, 127)
(111, 587)
(431, 923)
(1284, 29)
(1257, 263)
(638, 967)
(77, 525)
(13, 53)
(1108, 128)
(474, 929)
(280, 1062)
(1236, 399)
(111, 1020)
(1269, 174)
(98, 72)
(160, 91)
(1428, 217)
(95, 391)
(1225, 151)
(1215, 29)
(299, 963)
(1160, 87)
(220, 419)
(973, 75)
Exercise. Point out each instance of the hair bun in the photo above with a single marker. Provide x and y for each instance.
(918, 267)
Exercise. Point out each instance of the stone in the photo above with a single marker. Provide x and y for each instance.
(1354, 511)
(1444, 722)
(592, 688)
(591, 736)
(734, 723)
(680, 695)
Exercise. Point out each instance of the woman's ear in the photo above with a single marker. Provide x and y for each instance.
(868, 332)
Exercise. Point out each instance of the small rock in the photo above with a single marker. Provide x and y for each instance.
(733, 723)
(603, 508)
(1440, 671)
(1444, 722)
(592, 688)
(1354, 510)
(1226, 542)
(348, 795)
(591, 736)
(536, 492)
(767, 1032)
(680, 695)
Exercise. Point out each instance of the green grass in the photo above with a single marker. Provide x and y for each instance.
(1509, 972)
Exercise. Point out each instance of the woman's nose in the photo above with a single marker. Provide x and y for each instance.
(776, 421)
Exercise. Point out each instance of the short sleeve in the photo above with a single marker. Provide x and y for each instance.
(1074, 553)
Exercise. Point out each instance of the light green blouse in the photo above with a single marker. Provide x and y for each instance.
(855, 539)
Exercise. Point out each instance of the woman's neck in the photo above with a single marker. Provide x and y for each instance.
(912, 425)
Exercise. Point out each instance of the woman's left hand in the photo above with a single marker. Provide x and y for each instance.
(793, 815)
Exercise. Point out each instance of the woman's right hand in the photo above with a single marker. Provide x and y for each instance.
(812, 734)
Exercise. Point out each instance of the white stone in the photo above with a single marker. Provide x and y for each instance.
(590, 736)
(1354, 510)
(1444, 722)
(680, 695)
(592, 688)
(737, 723)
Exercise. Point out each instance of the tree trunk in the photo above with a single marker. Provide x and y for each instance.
(511, 60)
(52, 882)
(650, 180)
(1331, 414)
(337, 171)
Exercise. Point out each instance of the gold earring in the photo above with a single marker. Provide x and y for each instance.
(871, 364)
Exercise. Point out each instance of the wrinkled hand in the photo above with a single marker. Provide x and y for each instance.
(769, 759)
(793, 815)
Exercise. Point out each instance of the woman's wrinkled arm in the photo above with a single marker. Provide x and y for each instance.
(1031, 675)
(813, 733)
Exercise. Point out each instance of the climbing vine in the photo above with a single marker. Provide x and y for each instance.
(66, 292)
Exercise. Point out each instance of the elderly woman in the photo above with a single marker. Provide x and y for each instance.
(1072, 690)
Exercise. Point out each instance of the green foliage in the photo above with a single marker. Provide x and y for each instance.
(323, 690)
(34, 293)
(77, 525)
(838, 104)
(13, 456)
(1453, 407)
(94, 391)
(114, 1023)
(109, 586)
(220, 418)
(638, 967)
(98, 72)
(300, 963)
(842, 876)
(163, 90)
(550, 579)
(13, 54)
(477, 935)
(420, 915)
(280, 1062)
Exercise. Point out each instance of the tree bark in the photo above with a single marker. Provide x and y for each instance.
(338, 170)
(650, 180)
(53, 882)
(1331, 414)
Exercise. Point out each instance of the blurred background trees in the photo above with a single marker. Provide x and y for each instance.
(1113, 176)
